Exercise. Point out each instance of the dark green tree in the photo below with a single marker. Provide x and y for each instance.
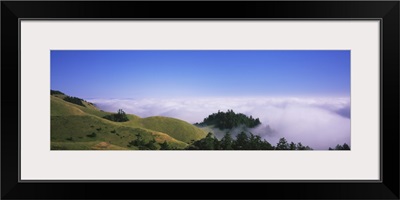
(292, 146)
(242, 141)
(164, 146)
(255, 143)
(120, 116)
(300, 146)
(267, 146)
(309, 148)
(226, 142)
(74, 100)
(217, 145)
(282, 144)
(346, 146)
(138, 142)
(340, 147)
(206, 143)
(151, 145)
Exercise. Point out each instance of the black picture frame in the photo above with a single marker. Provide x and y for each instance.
(386, 11)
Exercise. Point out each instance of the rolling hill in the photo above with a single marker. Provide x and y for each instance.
(79, 125)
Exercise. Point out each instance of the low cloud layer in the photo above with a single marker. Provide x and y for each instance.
(317, 122)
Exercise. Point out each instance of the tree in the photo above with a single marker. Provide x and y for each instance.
(164, 146)
(346, 146)
(206, 143)
(292, 146)
(282, 144)
(308, 148)
(255, 143)
(119, 117)
(74, 100)
(300, 146)
(242, 141)
(226, 142)
(267, 146)
(151, 145)
(340, 147)
(217, 145)
(139, 142)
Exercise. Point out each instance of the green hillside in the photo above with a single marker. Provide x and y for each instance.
(176, 128)
(77, 127)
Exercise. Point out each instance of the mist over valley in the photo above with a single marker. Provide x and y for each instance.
(318, 122)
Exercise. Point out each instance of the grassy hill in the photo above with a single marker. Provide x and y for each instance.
(175, 128)
(77, 127)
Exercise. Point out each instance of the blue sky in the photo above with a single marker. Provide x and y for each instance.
(200, 73)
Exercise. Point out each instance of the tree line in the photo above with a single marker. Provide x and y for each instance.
(341, 147)
(243, 141)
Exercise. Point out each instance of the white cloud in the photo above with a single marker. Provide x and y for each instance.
(317, 122)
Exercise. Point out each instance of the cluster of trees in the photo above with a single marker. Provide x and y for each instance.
(229, 120)
(71, 99)
(141, 144)
(243, 141)
(56, 92)
(341, 147)
(119, 117)
(166, 146)
(74, 100)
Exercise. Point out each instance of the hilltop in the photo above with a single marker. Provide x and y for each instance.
(229, 120)
(77, 124)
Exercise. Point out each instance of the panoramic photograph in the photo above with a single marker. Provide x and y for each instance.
(225, 100)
